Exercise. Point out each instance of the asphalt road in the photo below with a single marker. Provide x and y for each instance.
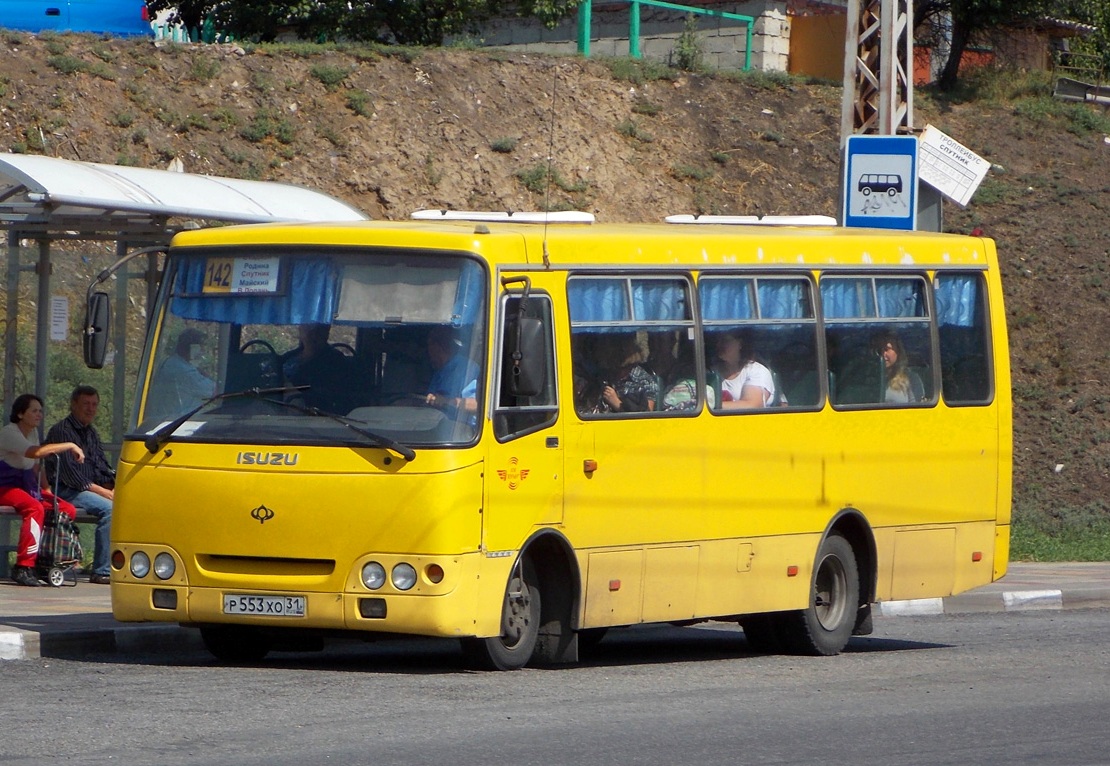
(1005, 688)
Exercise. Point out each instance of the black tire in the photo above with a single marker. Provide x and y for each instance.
(824, 627)
(234, 643)
(520, 625)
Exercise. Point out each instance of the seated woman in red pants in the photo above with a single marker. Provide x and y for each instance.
(21, 484)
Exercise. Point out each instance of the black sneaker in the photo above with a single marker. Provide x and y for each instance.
(25, 576)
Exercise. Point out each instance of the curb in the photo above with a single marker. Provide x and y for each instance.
(16, 645)
(1001, 601)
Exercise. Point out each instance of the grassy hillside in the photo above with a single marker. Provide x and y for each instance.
(393, 130)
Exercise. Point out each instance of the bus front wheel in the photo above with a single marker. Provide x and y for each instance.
(520, 624)
(824, 627)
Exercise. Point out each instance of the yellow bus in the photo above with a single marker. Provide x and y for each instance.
(521, 431)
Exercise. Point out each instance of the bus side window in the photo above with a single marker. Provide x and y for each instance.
(760, 328)
(514, 415)
(878, 340)
(966, 374)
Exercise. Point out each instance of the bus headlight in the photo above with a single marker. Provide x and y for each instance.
(140, 564)
(373, 575)
(404, 577)
(164, 566)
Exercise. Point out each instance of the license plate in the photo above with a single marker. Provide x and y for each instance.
(264, 606)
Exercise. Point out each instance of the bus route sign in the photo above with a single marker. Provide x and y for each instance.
(880, 182)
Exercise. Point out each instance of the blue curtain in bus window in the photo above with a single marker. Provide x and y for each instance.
(470, 297)
(900, 297)
(783, 299)
(659, 300)
(726, 299)
(847, 298)
(956, 297)
(310, 296)
(598, 300)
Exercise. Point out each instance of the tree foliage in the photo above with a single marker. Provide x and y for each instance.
(405, 22)
(960, 22)
(967, 18)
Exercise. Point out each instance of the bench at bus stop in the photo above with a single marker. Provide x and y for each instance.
(10, 521)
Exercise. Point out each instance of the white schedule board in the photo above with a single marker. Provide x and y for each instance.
(949, 167)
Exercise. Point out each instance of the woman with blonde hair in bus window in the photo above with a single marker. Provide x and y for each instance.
(903, 386)
(745, 383)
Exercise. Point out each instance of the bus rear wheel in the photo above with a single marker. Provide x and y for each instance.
(235, 643)
(520, 624)
(824, 627)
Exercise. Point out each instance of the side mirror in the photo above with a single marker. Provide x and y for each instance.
(526, 373)
(94, 341)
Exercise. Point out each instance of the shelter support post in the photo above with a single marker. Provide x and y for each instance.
(42, 333)
(119, 339)
(11, 321)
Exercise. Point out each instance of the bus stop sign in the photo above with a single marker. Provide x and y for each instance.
(880, 182)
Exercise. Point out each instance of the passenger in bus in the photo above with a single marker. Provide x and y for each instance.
(745, 383)
(682, 393)
(178, 386)
(318, 365)
(626, 384)
(454, 384)
(903, 385)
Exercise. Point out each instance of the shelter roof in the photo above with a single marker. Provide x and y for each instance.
(66, 199)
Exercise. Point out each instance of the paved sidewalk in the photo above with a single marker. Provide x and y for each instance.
(72, 621)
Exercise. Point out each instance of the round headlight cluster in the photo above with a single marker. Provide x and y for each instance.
(403, 576)
(164, 568)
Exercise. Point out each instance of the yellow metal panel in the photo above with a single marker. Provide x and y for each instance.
(614, 588)
(766, 586)
(670, 583)
(1001, 551)
(922, 565)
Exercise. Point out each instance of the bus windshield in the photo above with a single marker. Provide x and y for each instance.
(317, 347)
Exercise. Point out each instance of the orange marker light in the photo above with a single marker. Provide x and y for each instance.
(977, 556)
(792, 571)
(434, 573)
(589, 466)
(614, 585)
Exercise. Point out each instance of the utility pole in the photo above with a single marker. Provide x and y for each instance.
(878, 69)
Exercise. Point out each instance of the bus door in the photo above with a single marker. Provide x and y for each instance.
(524, 479)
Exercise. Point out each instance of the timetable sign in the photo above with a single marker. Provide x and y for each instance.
(952, 169)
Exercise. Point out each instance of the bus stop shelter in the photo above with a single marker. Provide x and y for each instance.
(46, 200)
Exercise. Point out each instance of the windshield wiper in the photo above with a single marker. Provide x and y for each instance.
(382, 441)
(155, 439)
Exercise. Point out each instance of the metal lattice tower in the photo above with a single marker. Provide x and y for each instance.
(878, 68)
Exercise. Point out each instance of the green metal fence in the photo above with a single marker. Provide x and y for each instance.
(585, 13)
